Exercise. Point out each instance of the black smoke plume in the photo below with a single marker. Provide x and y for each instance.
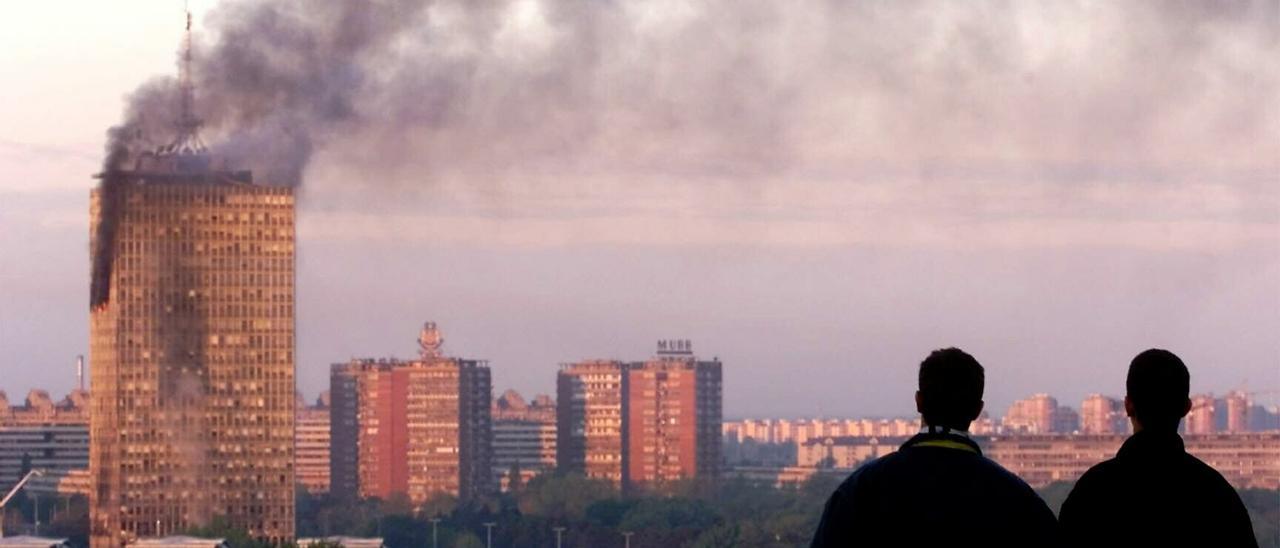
(479, 90)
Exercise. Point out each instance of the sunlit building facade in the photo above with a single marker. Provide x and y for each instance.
(192, 352)
(589, 419)
(642, 425)
(421, 428)
(1103, 415)
(1202, 419)
(1039, 414)
(673, 421)
(311, 448)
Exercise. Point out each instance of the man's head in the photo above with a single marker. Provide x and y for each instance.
(1159, 389)
(950, 391)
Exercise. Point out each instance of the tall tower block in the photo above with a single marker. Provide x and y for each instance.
(191, 346)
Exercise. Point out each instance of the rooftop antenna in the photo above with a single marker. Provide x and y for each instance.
(80, 372)
(188, 141)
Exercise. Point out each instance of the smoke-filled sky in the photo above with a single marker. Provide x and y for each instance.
(818, 193)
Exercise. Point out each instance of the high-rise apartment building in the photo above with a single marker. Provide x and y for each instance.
(1035, 415)
(674, 418)
(524, 437)
(192, 350)
(589, 419)
(311, 445)
(1202, 419)
(642, 424)
(1103, 415)
(421, 428)
(1237, 405)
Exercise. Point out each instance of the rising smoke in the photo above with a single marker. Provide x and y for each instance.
(729, 85)
(416, 90)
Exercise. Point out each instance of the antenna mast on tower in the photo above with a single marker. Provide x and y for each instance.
(188, 140)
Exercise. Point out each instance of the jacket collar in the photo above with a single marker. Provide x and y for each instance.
(949, 440)
(1148, 443)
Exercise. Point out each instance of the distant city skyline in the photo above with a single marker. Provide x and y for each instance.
(1053, 188)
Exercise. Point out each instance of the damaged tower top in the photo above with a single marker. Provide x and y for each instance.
(187, 142)
(185, 158)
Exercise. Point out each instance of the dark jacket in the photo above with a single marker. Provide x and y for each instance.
(937, 490)
(1155, 494)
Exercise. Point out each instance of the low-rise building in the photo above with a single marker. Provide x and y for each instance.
(1249, 460)
(41, 434)
(846, 452)
(524, 437)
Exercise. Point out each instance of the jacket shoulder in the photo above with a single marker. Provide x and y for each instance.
(868, 472)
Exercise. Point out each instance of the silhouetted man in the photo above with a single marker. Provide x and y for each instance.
(1153, 493)
(938, 489)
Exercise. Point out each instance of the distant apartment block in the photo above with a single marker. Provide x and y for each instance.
(802, 430)
(1237, 406)
(1039, 414)
(422, 428)
(847, 452)
(1103, 415)
(1202, 419)
(642, 424)
(1245, 460)
(589, 419)
(52, 437)
(524, 437)
(1234, 413)
(311, 445)
(779, 442)
(674, 417)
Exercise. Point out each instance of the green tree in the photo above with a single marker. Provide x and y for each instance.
(720, 536)
(468, 540)
(563, 497)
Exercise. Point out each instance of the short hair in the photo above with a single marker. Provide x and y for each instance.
(951, 383)
(1158, 386)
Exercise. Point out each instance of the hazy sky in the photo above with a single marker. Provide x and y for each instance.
(818, 193)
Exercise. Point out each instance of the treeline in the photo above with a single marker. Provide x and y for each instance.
(736, 513)
(592, 513)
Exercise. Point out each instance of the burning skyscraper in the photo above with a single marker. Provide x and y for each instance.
(192, 342)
